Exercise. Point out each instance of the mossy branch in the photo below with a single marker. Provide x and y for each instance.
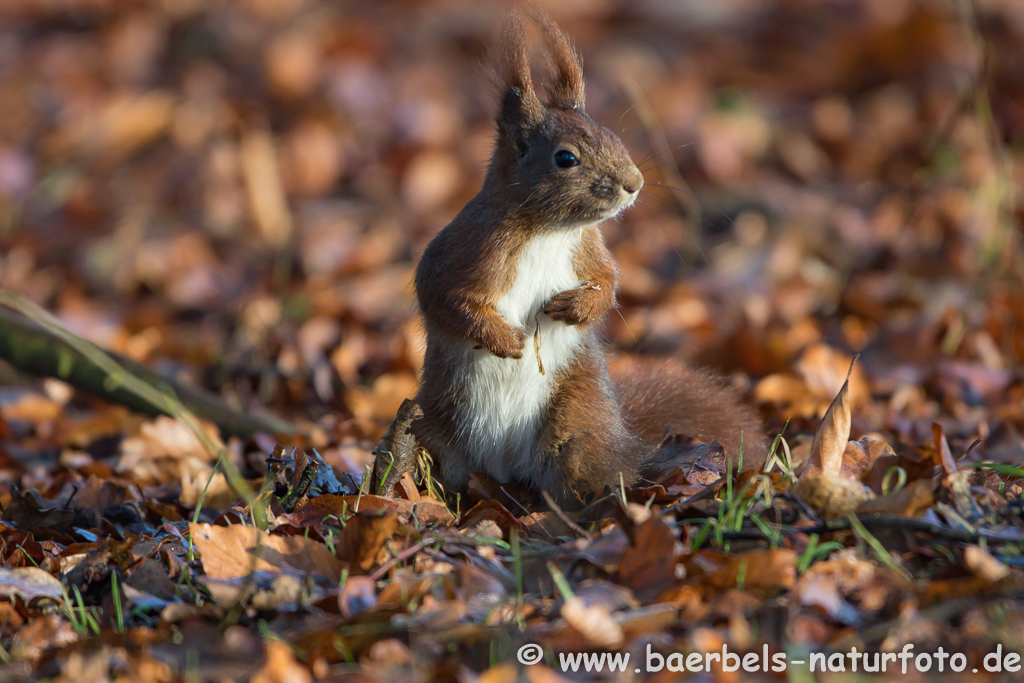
(35, 343)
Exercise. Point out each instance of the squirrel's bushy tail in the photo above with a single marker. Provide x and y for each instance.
(660, 396)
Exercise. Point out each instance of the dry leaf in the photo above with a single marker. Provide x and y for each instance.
(831, 497)
(983, 565)
(29, 583)
(830, 440)
(361, 542)
(758, 570)
(267, 202)
(909, 501)
(357, 595)
(49, 631)
(648, 566)
(281, 666)
(165, 450)
(942, 446)
(237, 551)
(594, 623)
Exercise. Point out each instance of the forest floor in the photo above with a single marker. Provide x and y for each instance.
(234, 195)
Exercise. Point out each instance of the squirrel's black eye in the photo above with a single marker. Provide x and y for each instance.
(565, 159)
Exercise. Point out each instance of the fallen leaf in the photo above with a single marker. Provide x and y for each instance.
(361, 542)
(909, 501)
(281, 666)
(648, 565)
(357, 595)
(594, 623)
(942, 447)
(166, 450)
(764, 571)
(29, 510)
(831, 496)
(237, 551)
(856, 579)
(833, 433)
(48, 631)
(29, 583)
(983, 565)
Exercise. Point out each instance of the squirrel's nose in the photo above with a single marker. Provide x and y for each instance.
(633, 181)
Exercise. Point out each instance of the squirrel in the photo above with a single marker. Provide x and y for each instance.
(515, 380)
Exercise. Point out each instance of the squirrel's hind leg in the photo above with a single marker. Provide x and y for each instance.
(585, 445)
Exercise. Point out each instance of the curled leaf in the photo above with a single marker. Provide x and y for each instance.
(830, 441)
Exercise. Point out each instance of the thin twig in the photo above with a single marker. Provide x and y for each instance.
(577, 529)
(881, 521)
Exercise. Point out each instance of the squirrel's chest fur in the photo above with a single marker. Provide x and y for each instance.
(506, 400)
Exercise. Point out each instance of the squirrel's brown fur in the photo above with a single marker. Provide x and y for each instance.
(515, 380)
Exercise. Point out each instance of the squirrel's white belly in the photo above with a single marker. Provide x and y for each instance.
(507, 398)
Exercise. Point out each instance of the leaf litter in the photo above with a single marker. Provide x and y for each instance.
(236, 194)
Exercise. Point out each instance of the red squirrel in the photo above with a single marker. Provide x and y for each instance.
(515, 381)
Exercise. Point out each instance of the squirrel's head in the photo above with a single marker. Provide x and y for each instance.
(556, 165)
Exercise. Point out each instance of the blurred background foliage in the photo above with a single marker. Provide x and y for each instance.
(237, 191)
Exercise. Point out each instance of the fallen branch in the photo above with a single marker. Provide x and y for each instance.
(881, 521)
(35, 344)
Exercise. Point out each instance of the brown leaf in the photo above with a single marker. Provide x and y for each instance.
(831, 497)
(361, 542)
(49, 631)
(942, 446)
(281, 666)
(357, 595)
(29, 583)
(909, 501)
(649, 619)
(983, 565)
(821, 366)
(491, 511)
(407, 489)
(818, 591)
(166, 450)
(267, 202)
(236, 551)
(859, 456)
(313, 511)
(29, 510)
(149, 576)
(833, 433)
(648, 566)
(857, 579)
(766, 571)
(546, 525)
(594, 623)
(130, 121)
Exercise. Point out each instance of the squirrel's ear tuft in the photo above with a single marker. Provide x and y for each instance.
(567, 89)
(520, 107)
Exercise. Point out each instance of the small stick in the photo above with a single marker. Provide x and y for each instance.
(536, 343)
(580, 531)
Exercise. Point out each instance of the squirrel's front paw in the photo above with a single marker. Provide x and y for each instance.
(505, 342)
(579, 305)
